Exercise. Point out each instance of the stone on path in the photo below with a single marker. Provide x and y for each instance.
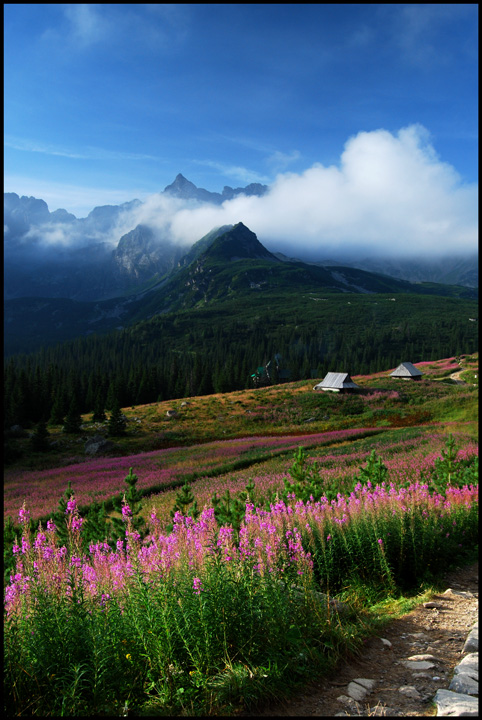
(410, 691)
(360, 687)
(466, 675)
(461, 593)
(357, 692)
(472, 642)
(418, 664)
(366, 683)
(348, 701)
(451, 704)
(463, 683)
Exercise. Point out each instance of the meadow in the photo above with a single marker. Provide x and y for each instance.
(239, 548)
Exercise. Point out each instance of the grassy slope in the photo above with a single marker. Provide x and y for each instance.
(291, 408)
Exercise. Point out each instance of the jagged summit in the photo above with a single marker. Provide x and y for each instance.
(181, 187)
(186, 190)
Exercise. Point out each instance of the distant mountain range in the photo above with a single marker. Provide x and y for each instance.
(55, 254)
(66, 277)
(228, 264)
(186, 190)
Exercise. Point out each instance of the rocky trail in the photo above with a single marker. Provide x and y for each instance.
(424, 664)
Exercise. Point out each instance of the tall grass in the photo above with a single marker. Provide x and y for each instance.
(206, 619)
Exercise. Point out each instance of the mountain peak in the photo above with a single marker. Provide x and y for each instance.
(181, 187)
(186, 190)
(238, 243)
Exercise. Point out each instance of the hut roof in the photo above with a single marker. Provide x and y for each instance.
(338, 381)
(406, 369)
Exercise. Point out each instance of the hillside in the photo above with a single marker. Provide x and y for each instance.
(291, 408)
(107, 254)
(228, 264)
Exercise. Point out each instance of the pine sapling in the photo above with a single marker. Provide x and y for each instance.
(185, 503)
(133, 499)
(374, 472)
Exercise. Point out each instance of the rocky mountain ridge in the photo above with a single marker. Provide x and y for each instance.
(183, 188)
(56, 255)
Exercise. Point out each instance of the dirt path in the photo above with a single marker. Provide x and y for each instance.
(438, 631)
(456, 376)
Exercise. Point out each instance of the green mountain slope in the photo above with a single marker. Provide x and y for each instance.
(227, 265)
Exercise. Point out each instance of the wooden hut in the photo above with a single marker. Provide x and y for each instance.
(406, 371)
(337, 382)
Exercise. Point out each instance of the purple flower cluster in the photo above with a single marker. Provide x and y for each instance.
(270, 541)
(155, 468)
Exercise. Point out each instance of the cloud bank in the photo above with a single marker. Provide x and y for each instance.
(390, 195)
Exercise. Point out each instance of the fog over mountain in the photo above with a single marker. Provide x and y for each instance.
(389, 200)
(390, 196)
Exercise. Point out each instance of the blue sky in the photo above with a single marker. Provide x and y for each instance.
(106, 103)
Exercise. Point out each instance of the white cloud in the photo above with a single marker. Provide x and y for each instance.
(145, 28)
(418, 30)
(390, 194)
(279, 161)
(86, 153)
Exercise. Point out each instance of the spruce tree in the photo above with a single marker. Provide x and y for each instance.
(99, 415)
(39, 440)
(59, 516)
(133, 499)
(73, 419)
(117, 423)
(96, 527)
(184, 499)
(57, 413)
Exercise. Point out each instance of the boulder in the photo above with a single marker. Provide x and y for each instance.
(472, 642)
(18, 431)
(97, 445)
(455, 704)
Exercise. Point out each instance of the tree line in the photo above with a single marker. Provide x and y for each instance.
(167, 358)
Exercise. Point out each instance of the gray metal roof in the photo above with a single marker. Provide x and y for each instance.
(336, 380)
(406, 369)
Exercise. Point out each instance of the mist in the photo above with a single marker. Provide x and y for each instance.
(389, 196)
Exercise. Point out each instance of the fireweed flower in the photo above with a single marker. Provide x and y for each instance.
(24, 515)
(77, 523)
(197, 585)
(39, 540)
(71, 505)
(126, 512)
(51, 527)
(25, 545)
